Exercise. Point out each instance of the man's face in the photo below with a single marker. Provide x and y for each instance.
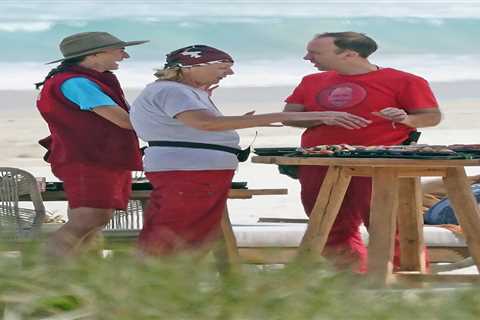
(211, 73)
(108, 59)
(323, 53)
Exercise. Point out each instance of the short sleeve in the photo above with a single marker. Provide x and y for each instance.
(85, 93)
(417, 94)
(298, 95)
(175, 100)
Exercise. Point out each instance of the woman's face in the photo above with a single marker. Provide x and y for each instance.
(208, 74)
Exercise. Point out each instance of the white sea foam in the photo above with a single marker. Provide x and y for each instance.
(262, 73)
(91, 10)
(22, 26)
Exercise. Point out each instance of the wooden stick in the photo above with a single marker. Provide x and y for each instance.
(324, 212)
(410, 225)
(226, 252)
(382, 224)
(449, 278)
(466, 209)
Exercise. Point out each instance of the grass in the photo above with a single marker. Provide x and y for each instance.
(121, 287)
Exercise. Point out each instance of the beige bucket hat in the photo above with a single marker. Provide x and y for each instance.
(85, 43)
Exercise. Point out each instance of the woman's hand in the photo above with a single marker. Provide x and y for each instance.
(339, 119)
(251, 113)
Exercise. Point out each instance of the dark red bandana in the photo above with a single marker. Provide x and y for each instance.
(196, 55)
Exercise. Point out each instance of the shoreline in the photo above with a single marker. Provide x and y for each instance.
(464, 90)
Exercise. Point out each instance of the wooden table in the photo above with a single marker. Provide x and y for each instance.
(396, 200)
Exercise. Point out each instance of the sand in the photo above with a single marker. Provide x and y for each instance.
(21, 126)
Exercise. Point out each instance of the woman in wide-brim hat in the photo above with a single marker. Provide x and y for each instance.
(92, 147)
(193, 149)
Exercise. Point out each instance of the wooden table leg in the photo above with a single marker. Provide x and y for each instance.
(229, 237)
(324, 212)
(226, 252)
(466, 209)
(382, 224)
(410, 225)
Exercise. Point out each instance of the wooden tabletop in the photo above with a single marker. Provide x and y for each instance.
(367, 162)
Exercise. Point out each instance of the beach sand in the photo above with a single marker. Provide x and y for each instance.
(21, 127)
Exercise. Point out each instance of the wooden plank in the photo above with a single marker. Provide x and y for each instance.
(421, 172)
(267, 255)
(382, 224)
(272, 255)
(324, 212)
(229, 238)
(447, 254)
(255, 192)
(145, 194)
(282, 220)
(446, 278)
(466, 209)
(226, 252)
(410, 225)
(368, 162)
(402, 172)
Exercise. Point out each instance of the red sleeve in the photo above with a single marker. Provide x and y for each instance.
(417, 94)
(297, 96)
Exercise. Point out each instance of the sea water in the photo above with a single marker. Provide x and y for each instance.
(435, 39)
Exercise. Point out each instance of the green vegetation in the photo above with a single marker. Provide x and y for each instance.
(122, 287)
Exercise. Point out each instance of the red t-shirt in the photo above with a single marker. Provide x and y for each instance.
(361, 95)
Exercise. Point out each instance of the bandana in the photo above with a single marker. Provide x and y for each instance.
(196, 55)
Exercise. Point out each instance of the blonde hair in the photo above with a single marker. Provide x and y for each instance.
(171, 74)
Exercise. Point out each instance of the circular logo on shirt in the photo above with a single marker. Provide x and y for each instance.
(341, 96)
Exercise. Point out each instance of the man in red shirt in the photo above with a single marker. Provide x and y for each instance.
(392, 103)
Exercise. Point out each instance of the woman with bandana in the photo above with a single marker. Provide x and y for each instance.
(193, 149)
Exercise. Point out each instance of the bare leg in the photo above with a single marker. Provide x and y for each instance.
(92, 243)
(82, 222)
(435, 186)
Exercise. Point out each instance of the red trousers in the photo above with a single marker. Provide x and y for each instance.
(185, 210)
(344, 246)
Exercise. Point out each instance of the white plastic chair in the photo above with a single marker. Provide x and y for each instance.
(16, 222)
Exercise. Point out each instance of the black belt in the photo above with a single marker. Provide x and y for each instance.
(242, 155)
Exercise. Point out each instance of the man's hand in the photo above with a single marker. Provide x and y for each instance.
(425, 117)
(392, 114)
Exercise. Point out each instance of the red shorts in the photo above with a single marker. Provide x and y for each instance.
(95, 187)
(185, 210)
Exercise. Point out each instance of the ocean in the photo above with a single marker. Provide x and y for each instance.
(435, 39)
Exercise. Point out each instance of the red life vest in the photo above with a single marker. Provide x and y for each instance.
(84, 136)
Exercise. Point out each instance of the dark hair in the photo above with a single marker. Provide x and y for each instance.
(350, 40)
(60, 68)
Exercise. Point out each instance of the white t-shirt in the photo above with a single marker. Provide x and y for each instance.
(153, 118)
